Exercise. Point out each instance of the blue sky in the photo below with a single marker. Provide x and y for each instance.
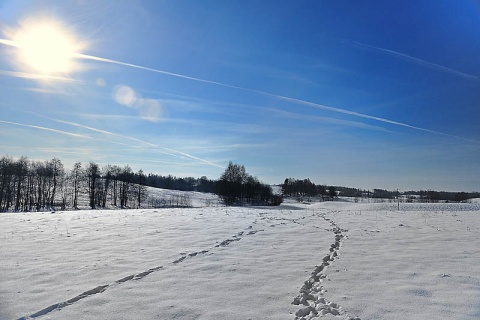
(368, 94)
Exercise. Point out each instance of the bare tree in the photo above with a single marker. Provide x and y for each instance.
(21, 171)
(115, 170)
(125, 178)
(58, 174)
(140, 188)
(65, 189)
(92, 173)
(332, 192)
(6, 177)
(107, 174)
(76, 180)
(41, 175)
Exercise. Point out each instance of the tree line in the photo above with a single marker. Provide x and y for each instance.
(27, 185)
(202, 184)
(305, 188)
(435, 196)
(299, 188)
(417, 196)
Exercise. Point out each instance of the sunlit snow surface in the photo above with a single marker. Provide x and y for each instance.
(334, 260)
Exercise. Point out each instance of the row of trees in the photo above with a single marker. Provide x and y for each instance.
(435, 196)
(202, 184)
(418, 196)
(27, 185)
(236, 186)
(359, 193)
(40, 185)
(305, 188)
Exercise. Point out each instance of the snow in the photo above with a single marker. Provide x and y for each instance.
(335, 260)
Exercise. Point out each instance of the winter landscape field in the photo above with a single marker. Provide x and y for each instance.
(338, 109)
(335, 260)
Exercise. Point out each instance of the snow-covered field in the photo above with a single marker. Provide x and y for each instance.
(337, 260)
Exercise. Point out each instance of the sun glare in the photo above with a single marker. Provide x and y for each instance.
(46, 47)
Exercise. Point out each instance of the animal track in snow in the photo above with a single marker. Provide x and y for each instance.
(311, 293)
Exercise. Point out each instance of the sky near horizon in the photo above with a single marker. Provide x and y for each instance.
(366, 94)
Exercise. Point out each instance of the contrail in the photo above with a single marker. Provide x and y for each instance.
(419, 61)
(89, 57)
(46, 129)
(300, 101)
(100, 131)
(9, 43)
(365, 116)
(293, 100)
(348, 123)
(171, 152)
(36, 76)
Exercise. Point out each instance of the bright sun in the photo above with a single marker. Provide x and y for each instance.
(46, 47)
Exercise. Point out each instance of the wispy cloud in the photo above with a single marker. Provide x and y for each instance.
(419, 61)
(130, 118)
(112, 154)
(63, 150)
(226, 126)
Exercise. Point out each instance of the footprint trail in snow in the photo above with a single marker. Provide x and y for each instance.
(311, 294)
(86, 294)
(138, 276)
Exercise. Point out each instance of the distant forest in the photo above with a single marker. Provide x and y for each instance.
(305, 188)
(27, 185)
